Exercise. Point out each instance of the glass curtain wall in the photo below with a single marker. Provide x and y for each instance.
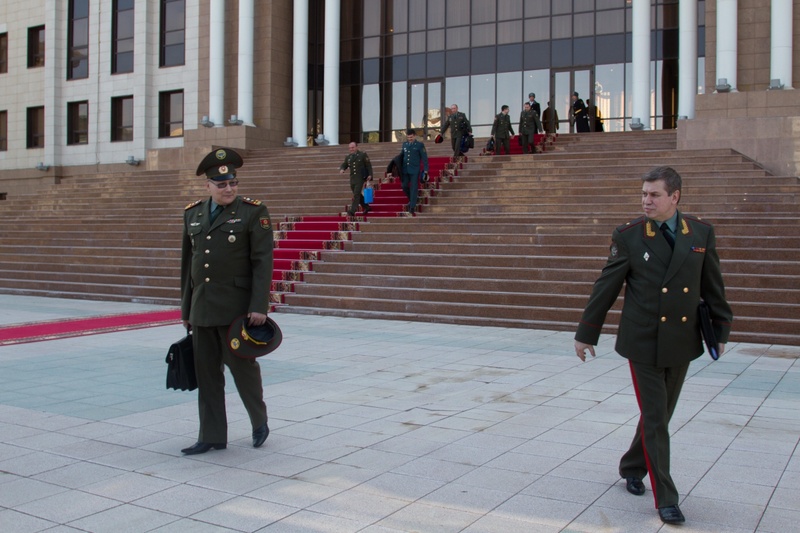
(399, 56)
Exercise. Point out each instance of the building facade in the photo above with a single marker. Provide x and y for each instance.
(88, 84)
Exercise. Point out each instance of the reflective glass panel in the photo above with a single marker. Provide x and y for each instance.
(483, 11)
(370, 104)
(416, 16)
(509, 32)
(484, 35)
(399, 109)
(458, 12)
(584, 24)
(509, 91)
(436, 16)
(537, 8)
(372, 18)
(537, 82)
(509, 9)
(457, 92)
(537, 29)
(416, 42)
(610, 21)
(562, 27)
(609, 94)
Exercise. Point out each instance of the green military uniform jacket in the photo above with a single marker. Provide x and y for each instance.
(501, 129)
(413, 154)
(659, 325)
(359, 165)
(226, 266)
(529, 123)
(458, 124)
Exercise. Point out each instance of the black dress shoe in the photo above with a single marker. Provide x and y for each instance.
(367, 209)
(671, 515)
(203, 447)
(634, 485)
(260, 435)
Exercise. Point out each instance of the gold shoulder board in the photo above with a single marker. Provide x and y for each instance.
(251, 201)
(193, 204)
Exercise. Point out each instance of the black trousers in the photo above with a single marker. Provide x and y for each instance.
(357, 186)
(410, 185)
(657, 391)
(527, 142)
(505, 144)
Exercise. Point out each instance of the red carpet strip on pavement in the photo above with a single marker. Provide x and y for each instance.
(60, 329)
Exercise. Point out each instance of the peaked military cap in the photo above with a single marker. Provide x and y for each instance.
(249, 342)
(531, 94)
(220, 165)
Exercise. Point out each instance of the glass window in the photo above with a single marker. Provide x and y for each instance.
(435, 40)
(610, 4)
(36, 47)
(173, 33)
(372, 18)
(456, 91)
(483, 11)
(561, 53)
(610, 21)
(537, 82)
(399, 43)
(370, 104)
(416, 67)
(457, 62)
(610, 49)
(509, 58)
(561, 7)
(77, 122)
(509, 89)
(372, 70)
(458, 12)
(509, 32)
(484, 35)
(122, 118)
(399, 99)
(482, 104)
(416, 17)
(537, 8)
(399, 16)
(122, 36)
(3, 53)
(170, 114)
(416, 42)
(78, 40)
(457, 38)
(562, 27)
(35, 127)
(436, 65)
(436, 17)
(509, 10)
(372, 47)
(584, 5)
(584, 24)
(701, 75)
(3, 131)
(537, 29)
(399, 68)
(536, 55)
(483, 60)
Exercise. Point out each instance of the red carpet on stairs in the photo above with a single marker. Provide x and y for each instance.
(301, 241)
(17, 334)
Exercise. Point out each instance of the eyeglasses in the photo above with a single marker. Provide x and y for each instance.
(224, 184)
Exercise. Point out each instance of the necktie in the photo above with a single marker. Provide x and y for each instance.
(665, 232)
(215, 212)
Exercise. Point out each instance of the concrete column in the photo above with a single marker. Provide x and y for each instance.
(216, 63)
(780, 62)
(727, 36)
(330, 97)
(245, 93)
(640, 99)
(687, 58)
(300, 74)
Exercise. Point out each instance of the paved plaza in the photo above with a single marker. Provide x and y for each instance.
(383, 427)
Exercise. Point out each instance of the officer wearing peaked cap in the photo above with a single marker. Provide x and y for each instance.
(226, 271)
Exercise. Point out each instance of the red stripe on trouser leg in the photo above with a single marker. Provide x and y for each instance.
(640, 427)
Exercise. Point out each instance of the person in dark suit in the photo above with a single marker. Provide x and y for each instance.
(579, 115)
(595, 118)
(459, 127)
(502, 131)
(668, 262)
(550, 118)
(529, 126)
(360, 172)
(226, 272)
(414, 156)
(534, 104)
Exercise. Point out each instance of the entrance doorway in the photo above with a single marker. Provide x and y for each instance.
(563, 83)
(425, 106)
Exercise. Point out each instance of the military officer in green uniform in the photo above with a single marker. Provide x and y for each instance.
(226, 272)
(668, 262)
(360, 172)
(459, 127)
(414, 156)
(529, 126)
(502, 131)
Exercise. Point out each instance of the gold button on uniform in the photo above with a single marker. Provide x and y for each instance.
(208, 279)
(206, 265)
(683, 319)
(663, 319)
(208, 251)
(208, 237)
(686, 289)
(665, 290)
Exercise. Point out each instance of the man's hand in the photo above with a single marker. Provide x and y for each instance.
(256, 319)
(580, 349)
(188, 327)
(341, 171)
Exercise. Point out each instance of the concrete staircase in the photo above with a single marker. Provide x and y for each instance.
(512, 241)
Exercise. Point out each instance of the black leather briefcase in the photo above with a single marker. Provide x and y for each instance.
(180, 365)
